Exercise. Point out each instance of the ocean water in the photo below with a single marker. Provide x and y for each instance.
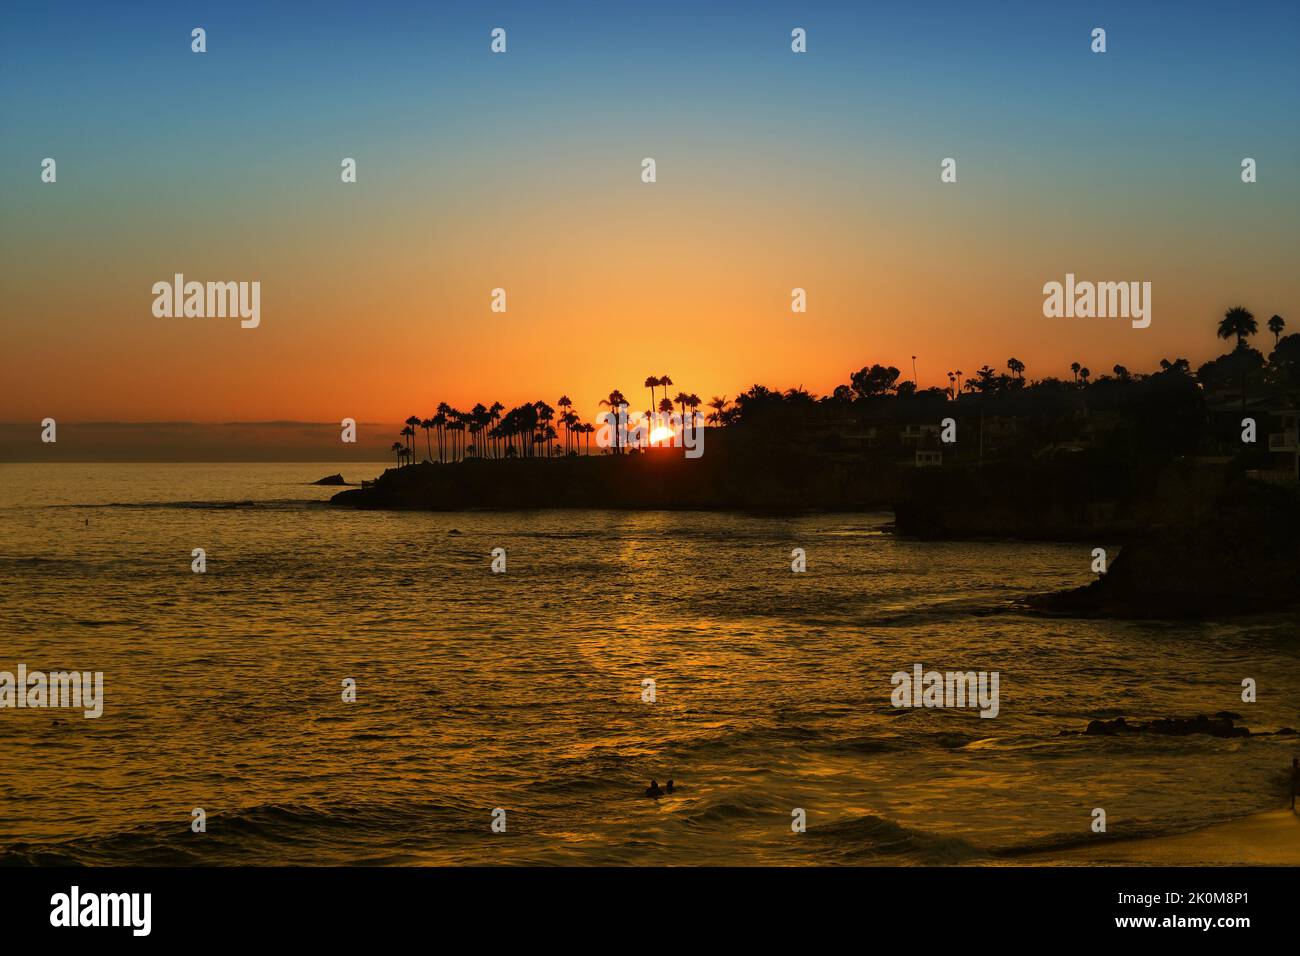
(522, 690)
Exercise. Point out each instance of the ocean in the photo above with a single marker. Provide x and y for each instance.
(523, 691)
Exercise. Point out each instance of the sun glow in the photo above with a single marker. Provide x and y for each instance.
(662, 433)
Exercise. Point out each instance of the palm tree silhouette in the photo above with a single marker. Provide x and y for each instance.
(504, 433)
(565, 404)
(1239, 322)
(1017, 367)
(651, 382)
(570, 420)
(545, 415)
(666, 410)
(1276, 325)
(408, 433)
(528, 424)
(719, 405)
(1084, 373)
(615, 402)
(494, 416)
(440, 421)
(400, 450)
(1074, 367)
(692, 402)
(412, 423)
(456, 431)
(481, 419)
(427, 424)
(472, 424)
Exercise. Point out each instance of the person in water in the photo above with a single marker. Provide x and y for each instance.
(653, 790)
(669, 788)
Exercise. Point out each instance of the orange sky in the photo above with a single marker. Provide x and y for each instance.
(520, 172)
(375, 325)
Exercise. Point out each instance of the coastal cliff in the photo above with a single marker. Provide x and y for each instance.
(661, 479)
(1240, 555)
(1076, 498)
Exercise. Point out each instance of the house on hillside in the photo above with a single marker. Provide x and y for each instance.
(1284, 441)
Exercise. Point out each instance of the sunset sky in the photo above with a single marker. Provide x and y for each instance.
(522, 171)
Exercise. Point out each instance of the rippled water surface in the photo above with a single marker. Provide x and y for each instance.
(523, 690)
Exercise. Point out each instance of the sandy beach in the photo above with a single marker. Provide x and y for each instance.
(1271, 838)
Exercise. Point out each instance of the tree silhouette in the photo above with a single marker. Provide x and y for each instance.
(719, 405)
(1276, 325)
(412, 424)
(874, 381)
(1239, 322)
(545, 415)
(693, 402)
(570, 420)
(408, 435)
(615, 402)
(427, 424)
(440, 422)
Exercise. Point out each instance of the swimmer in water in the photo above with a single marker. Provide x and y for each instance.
(669, 787)
(653, 790)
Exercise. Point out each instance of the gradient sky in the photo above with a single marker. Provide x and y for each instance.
(522, 171)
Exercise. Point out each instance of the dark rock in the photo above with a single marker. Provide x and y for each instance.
(1168, 726)
(1108, 728)
(1181, 727)
(330, 480)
